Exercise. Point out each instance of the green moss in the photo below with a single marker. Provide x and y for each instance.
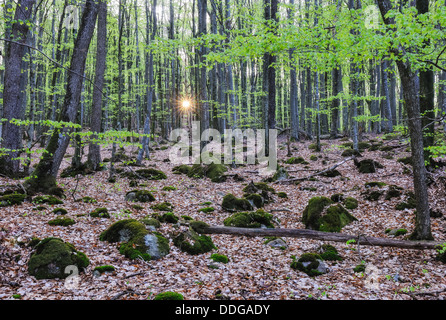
(256, 186)
(168, 217)
(52, 256)
(169, 295)
(105, 268)
(89, 200)
(140, 195)
(313, 211)
(100, 213)
(148, 221)
(363, 145)
(193, 243)
(255, 199)
(182, 169)
(123, 230)
(368, 166)
(250, 219)
(350, 152)
(163, 206)
(313, 157)
(375, 184)
(282, 195)
(132, 252)
(169, 188)
(198, 226)
(331, 173)
(310, 268)
(60, 211)
(62, 221)
(297, 160)
(337, 197)
(219, 258)
(11, 199)
(48, 199)
(373, 195)
(350, 203)
(359, 268)
(231, 203)
(213, 171)
(335, 219)
(207, 210)
(147, 174)
(137, 207)
(329, 253)
(393, 192)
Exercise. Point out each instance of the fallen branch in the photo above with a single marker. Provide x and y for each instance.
(317, 173)
(324, 236)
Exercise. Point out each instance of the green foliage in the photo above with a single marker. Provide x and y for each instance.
(217, 257)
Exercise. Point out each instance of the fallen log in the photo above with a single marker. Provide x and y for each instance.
(320, 235)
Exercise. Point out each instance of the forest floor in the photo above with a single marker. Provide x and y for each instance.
(255, 270)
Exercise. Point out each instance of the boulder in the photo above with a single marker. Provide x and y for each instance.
(52, 256)
(213, 171)
(140, 196)
(231, 203)
(367, 165)
(322, 215)
(255, 219)
(136, 240)
(311, 264)
(193, 242)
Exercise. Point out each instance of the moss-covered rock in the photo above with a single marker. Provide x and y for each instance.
(372, 184)
(89, 200)
(256, 200)
(168, 217)
(350, 203)
(297, 160)
(52, 256)
(321, 214)
(396, 232)
(182, 169)
(103, 269)
(280, 174)
(60, 211)
(231, 203)
(149, 221)
(100, 213)
(146, 174)
(368, 165)
(313, 212)
(217, 257)
(169, 295)
(140, 196)
(406, 160)
(393, 192)
(282, 195)
(329, 253)
(48, 199)
(254, 219)
(207, 209)
(350, 152)
(163, 206)
(310, 263)
(11, 199)
(193, 243)
(410, 202)
(331, 173)
(61, 221)
(169, 188)
(213, 171)
(136, 240)
(337, 197)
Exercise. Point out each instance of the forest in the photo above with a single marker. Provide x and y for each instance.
(222, 149)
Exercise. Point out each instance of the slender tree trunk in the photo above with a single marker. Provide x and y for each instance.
(94, 152)
(294, 112)
(11, 133)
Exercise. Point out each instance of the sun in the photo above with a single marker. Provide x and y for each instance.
(186, 104)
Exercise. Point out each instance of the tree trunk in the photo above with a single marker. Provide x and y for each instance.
(44, 177)
(411, 90)
(323, 236)
(94, 152)
(11, 133)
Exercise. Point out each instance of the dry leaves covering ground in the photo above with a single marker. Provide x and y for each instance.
(254, 270)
